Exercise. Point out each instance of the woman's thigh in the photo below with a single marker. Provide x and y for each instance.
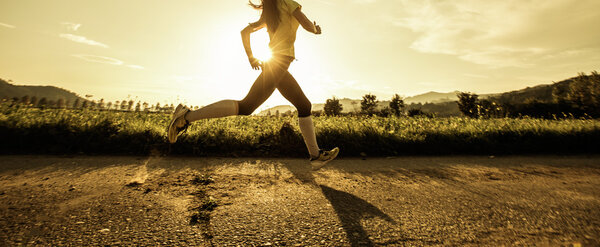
(289, 88)
(260, 91)
(273, 72)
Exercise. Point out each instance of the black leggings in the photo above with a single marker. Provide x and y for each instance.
(275, 75)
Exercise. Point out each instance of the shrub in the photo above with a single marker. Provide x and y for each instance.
(368, 105)
(333, 107)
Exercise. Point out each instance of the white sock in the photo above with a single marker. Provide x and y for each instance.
(308, 133)
(219, 109)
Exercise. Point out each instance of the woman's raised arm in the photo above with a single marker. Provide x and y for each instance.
(306, 23)
(252, 27)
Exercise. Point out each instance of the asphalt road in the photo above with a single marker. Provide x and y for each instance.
(404, 201)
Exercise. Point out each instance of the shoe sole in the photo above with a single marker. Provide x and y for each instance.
(177, 109)
(176, 115)
(324, 163)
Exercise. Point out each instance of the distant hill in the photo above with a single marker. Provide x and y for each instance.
(434, 102)
(542, 93)
(432, 97)
(9, 91)
(280, 108)
(353, 105)
(348, 105)
(435, 97)
(443, 103)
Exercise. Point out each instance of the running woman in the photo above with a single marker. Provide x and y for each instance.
(281, 18)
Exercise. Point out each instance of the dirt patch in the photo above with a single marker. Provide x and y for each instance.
(422, 201)
(76, 201)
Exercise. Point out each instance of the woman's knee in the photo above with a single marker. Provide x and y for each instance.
(304, 110)
(245, 109)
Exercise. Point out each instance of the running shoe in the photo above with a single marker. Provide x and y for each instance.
(178, 123)
(324, 158)
(178, 108)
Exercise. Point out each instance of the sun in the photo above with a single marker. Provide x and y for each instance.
(260, 45)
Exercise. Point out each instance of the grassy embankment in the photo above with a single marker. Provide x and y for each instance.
(52, 131)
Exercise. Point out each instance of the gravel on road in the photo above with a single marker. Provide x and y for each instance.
(395, 201)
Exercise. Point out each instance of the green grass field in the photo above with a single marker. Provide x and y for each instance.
(55, 131)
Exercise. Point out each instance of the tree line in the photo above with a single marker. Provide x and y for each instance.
(578, 97)
(368, 106)
(119, 105)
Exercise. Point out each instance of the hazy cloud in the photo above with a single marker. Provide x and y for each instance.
(350, 88)
(183, 78)
(364, 1)
(99, 59)
(6, 25)
(340, 2)
(478, 76)
(133, 66)
(106, 60)
(81, 39)
(500, 33)
(71, 26)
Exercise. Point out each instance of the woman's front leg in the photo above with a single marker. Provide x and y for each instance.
(260, 91)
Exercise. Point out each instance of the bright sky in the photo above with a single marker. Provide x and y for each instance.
(191, 51)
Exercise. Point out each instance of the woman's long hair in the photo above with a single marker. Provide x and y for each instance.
(270, 13)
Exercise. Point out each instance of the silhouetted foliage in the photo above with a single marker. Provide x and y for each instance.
(317, 113)
(571, 98)
(130, 105)
(43, 102)
(61, 103)
(34, 101)
(444, 109)
(58, 131)
(488, 109)
(25, 100)
(333, 107)
(582, 94)
(467, 103)
(368, 105)
(419, 112)
(397, 105)
(10, 91)
(385, 112)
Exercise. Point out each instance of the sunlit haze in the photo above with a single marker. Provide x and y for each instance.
(191, 51)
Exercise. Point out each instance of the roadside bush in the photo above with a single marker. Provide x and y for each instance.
(62, 131)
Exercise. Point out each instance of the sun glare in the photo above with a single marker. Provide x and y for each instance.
(260, 45)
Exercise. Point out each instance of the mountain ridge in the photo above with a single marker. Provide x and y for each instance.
(9, 91)
(353, 105)
(435, 101)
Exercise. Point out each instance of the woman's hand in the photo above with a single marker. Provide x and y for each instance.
(305, 22)
(317, 28)
(255, 63)
(252, 27)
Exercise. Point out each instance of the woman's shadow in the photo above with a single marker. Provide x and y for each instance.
(349, 208)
